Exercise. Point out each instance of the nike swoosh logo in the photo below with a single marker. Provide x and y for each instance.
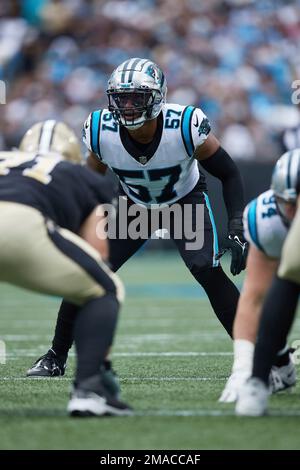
(290, 375)
(196, 124)
(287, 385)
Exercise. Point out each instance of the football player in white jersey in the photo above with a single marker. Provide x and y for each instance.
(280, 305)
(155, 148)
(265, 229)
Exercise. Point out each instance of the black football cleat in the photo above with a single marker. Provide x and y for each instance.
(48, 365)
(91, 398)
(283, 377)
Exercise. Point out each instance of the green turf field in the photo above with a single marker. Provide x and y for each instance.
(172, 357)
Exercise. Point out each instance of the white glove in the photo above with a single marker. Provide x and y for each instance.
(232, 387)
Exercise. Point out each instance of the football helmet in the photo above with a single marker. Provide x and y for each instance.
(286, 181)
(136, 92)
(52, 136)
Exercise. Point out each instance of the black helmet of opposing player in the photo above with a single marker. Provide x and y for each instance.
(286, 183)
(136, 92)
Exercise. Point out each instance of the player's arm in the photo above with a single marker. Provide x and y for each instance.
(216, 161)
(260, 271)
(95, 164)
(263, 231)
(92, 230)
(91, 139)
(259, 275)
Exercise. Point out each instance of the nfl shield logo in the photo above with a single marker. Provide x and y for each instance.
(143, 160)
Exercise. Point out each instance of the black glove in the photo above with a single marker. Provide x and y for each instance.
(236, 243)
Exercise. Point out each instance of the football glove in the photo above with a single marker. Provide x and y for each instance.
(237, 245)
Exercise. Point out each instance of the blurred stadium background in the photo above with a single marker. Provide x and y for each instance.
(236, 59)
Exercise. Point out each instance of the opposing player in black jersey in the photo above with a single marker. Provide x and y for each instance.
(46, 202)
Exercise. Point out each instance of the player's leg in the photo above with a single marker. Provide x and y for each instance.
(258, 279)
(260, 271)
(278, 314)
(277, 317)
(73, 270)
(221, 291)
(51, 252)
(125, 242)
(53, 362)
(94, 392)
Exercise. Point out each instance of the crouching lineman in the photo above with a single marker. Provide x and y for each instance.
(280, 305)
(45, 202)
(266, 227)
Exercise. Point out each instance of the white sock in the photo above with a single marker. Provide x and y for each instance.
(243, 356)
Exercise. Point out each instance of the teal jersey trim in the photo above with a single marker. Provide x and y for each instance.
(215, 233)
(95, 126)
(252, 224)
(186, 131)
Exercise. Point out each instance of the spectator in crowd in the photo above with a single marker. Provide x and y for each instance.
(236, 59)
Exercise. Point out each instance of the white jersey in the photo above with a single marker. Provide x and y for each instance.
(263, 225)
(167, 170)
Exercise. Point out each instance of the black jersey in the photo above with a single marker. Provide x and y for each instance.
(63, 191)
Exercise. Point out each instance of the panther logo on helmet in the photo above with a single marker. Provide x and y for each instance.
(136, 92)
(155, 73)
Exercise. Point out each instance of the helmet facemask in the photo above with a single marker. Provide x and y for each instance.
(132, 108)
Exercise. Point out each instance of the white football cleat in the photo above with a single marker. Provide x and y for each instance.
(92, 398)
(252, 398)
(282, 378)
(86, 404)
(232, 387)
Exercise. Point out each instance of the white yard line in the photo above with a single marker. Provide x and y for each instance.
(208, 413)
(25, 337)
(203, 413)
(17, 353)
(171, 354)
(127, 379)
(125, 337)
